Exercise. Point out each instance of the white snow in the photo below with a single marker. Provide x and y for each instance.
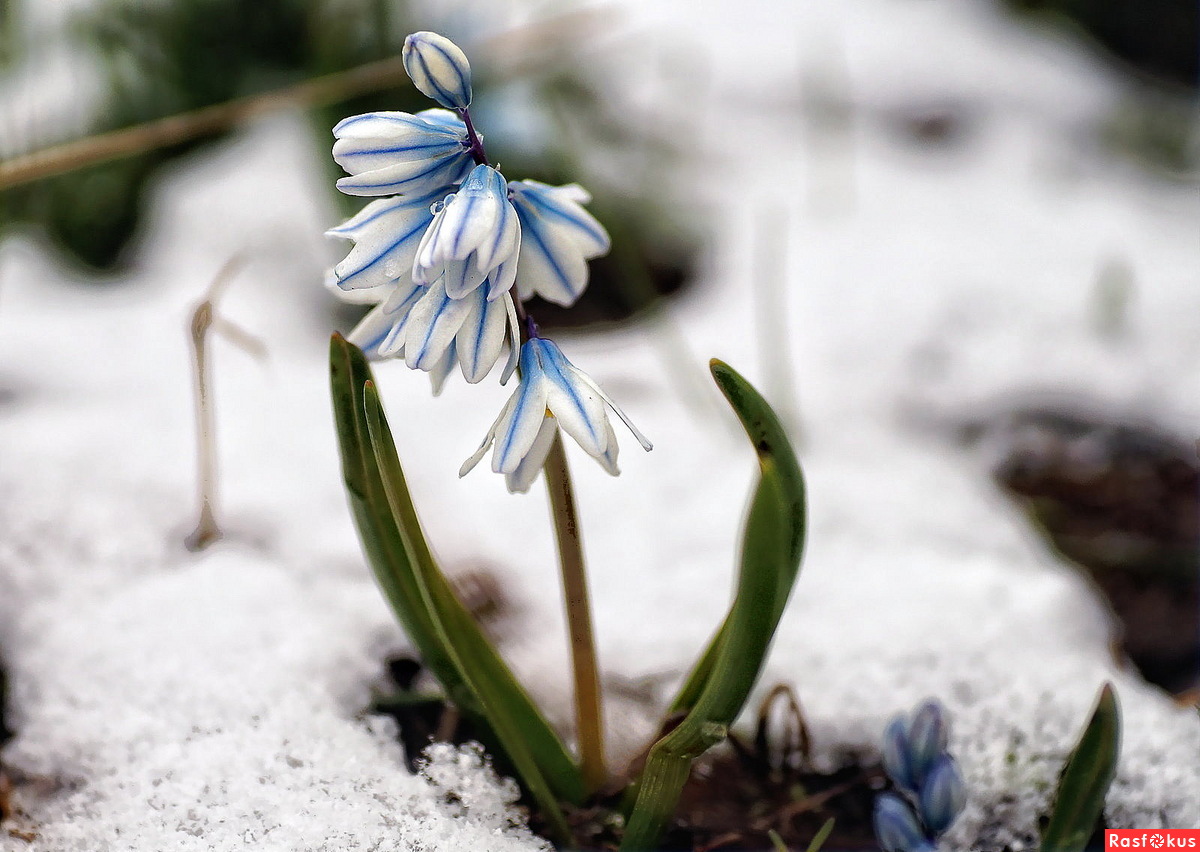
(170, 700)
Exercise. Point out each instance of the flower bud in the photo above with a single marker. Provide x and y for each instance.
(439, 68)
(943, 796)
(928, 735)
(896, 826)
(897, 758)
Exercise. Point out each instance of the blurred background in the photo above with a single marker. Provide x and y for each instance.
(101, 101)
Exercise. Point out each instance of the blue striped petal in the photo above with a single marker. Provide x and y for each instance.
(399, 307)
(414, 177)
(480, 340)
(579, 410)
(461, 277)
(519, 480)
(386, 235)
(375, 330)
(379, 139)
(442, 370)
(432, 324)
(558, 237)
(517, 431)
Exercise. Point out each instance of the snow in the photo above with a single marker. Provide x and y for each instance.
(173, 700)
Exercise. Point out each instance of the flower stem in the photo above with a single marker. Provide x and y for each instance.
(589, 722)
(475, 144)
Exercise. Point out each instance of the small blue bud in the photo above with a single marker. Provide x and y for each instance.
(439, 68)
(896, 826)
(943, 796)
(897, 755)
(928, 736)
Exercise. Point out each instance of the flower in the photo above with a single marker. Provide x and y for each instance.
(474, 236)
(934, 794)
(558, 238)
(438, 68)
(552, 392)
(433, 332)
(393, 153)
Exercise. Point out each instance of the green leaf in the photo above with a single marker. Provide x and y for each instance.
(377, 528)
(821, 836)
(720, 683)
(1085, 779)
(451, 643)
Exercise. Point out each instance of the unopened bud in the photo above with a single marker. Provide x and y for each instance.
(439, 68)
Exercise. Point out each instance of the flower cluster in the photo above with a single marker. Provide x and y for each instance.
(932, 792)
(449, 252)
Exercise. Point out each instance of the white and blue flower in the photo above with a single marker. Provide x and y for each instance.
(396, 153)
(438, 68)
(931, 791)
(474, 237)
(558, 238)
(552, 393)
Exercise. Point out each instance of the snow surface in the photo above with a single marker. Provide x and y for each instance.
(165, 700)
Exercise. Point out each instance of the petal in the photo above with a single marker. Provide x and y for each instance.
(641, 439)
(472, 218)
(578, 408)
(516, 433)
(417, 177)
(386, 235)
(519, 480)
(380, 139)
(462, 277)
(560, 207)
(481, 337)
(425, 270)
(505, 238)
(475, 458)
(442, 370)
(372, 296)
(514, 341)
(432, 324)
(501, 279)
(608, 460)
(399, 306)
(551, 263)
(371, 331)
(446, 118)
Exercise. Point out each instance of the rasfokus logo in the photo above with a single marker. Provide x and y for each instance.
(1138, 838)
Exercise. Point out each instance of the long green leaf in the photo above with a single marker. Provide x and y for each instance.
(1086, 778)
(377, 528)
(422, 598)
(720, 684)
(508, 709)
